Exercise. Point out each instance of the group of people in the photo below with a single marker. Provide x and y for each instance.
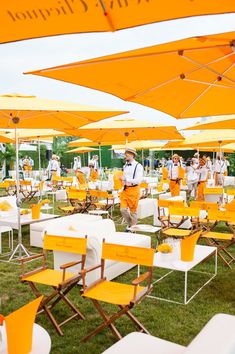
(26, 164)
(196, 171)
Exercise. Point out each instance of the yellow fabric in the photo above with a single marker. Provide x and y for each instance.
(164, 173)
(175, 188)
(161, 77)
(68, 208)
(19, 328)
(94, 175)
(176, 232)
(116, 179)
(219, 215)
(47, 18)
(65, 244)
(36, 209)
(214, 190)
(129, 198)
(88, 142)
(5, 206)
(81, 150)
(112, 293)
(187, 246)
(49, 277)
(203, 205)
(80, 177)
(184, 211)
(128, 254)
(218, 235)
(39, 113)
(166, 203)
(200, 190)
(79, 194)
(140, 145)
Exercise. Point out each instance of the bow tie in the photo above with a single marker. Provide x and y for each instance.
(175, 164)
(128, 164)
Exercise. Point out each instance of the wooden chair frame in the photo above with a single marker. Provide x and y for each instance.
(216, 238)
(27, 190)
(165, 203)
(108, 321)
(96, 196)
(59, 292)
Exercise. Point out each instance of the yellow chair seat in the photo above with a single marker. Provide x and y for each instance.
(49, 277)
(177, 232)
(68, 208)
(205, 221)
(218, 235)
(112, 293)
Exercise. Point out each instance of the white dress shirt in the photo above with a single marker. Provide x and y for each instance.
(174, 170)
(129, 169)
(220, 166)
(202, 173)
(192, 176)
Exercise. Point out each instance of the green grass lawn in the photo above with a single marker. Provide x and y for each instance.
(177, 323)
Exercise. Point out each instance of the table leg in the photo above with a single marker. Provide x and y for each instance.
(185, 287)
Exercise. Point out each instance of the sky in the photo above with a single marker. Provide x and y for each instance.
(23, 56)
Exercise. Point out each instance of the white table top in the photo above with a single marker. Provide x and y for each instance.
(12, 220)
(41, 340)
(144, 228)
(201, 252)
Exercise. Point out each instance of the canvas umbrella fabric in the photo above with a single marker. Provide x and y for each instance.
(88, 142)
(222, 122)
(187, 78)
(18, 111)
(80, 150)
(25, 19)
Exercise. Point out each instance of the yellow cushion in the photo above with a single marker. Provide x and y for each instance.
(112, 292)
(68, 208)
(5, 206)
(177, 232)
(218, 235)
(49, 277)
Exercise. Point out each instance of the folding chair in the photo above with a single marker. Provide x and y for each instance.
(206, 206)
(78, 200)
(230, 194)
(10, 187)
(67, 181)
(219, 239)
(214, 194)
(26, 189)
(122, 295)
(101, 200)
(177, 217)
(20, 337)
(61, 281)
(164, 204)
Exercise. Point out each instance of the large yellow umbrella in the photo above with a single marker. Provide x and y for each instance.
(187, 78)
(25, 19)
(17, 111)
(127, 129)
(140, 145)
(88, 142)
(81, 150)
(222, 122)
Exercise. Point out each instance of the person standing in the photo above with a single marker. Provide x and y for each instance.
(192, 179)
(53, 167)
(220, 168)
(202, 173)
(175, 174)
(132, 177)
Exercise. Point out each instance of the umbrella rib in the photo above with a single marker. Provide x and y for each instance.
(209, 84)
(206, 66)
(107, 15)
(174, 79)
(203, 93)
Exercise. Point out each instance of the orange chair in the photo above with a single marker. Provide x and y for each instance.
(122, 295)
(61, 281)
(78, 201)
(164, 204)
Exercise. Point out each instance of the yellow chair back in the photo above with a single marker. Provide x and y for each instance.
(165, 203)
(185, 211)
(203, 205)
(230, 191)
(230, 206)
(213, 190)
(77, 194)
(67, 179)
(65, 244)
(220, 215)
(144, 185)
(181, 172)
(128, 254)
(19, 328)
(25, 183)
(164, 173)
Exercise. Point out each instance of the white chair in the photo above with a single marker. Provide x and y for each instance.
(8, 229)
(217, 337)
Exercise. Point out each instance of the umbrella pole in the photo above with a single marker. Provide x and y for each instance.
(142, 157)
(39, 168)
(220, 154)
(20, 249)
(100, 156)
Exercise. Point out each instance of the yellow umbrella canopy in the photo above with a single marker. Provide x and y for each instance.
(25, 19)
(210, 139)
(81, 150)
(140, 145)
(31, 134)
(18, 111)
(5, 139)
(187, 78)
(222, 122)
(88, 142)
(129, 129)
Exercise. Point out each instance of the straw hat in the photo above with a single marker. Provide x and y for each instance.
(131, 151)
(175, 156)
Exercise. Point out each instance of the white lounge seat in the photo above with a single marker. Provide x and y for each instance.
(217, 337)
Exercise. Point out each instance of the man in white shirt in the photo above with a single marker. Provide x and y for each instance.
(220, 168)
(53, 167)
(175, 175)
(132, 177)
(202, 173)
